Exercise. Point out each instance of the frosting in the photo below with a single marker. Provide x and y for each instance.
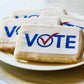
(49, 40)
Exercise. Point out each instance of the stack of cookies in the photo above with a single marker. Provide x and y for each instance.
(43, 35)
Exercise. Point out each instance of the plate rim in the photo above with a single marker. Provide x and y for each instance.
(41, 67)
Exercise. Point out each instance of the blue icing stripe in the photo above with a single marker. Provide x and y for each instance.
(33, 16)
(80, 27)
(17, 29)
(17, 17)
(25, 16)
(67, 24)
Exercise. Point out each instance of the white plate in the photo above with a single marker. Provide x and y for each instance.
(36, 66)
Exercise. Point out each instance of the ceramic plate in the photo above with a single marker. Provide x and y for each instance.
(39, 66)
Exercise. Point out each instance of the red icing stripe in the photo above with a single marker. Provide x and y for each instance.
(64, 22)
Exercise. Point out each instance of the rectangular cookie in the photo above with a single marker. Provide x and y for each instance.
(9, 30)
(49, 44)
(67, 20)
(36, 12)
(72, 21)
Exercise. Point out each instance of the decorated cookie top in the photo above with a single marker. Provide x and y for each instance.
(49, 39)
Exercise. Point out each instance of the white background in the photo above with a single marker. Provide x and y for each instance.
(6, 6)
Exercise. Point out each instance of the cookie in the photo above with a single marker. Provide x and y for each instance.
(37, 12)
(67, 20)
(9, 30)
(72, 22)
(49, 44)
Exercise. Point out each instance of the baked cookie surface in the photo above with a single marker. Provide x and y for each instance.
(49, 44)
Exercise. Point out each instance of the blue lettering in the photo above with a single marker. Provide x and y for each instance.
(17, 17)
(68, 24)
(9, 34)
(33, 16)
(80, 27)
(59, 40)
(17, 29)
(68, 41)
(45, 41)
(30, 43)
(25, 16)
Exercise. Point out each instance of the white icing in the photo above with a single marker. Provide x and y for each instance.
(22, 43)
(11, 23)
